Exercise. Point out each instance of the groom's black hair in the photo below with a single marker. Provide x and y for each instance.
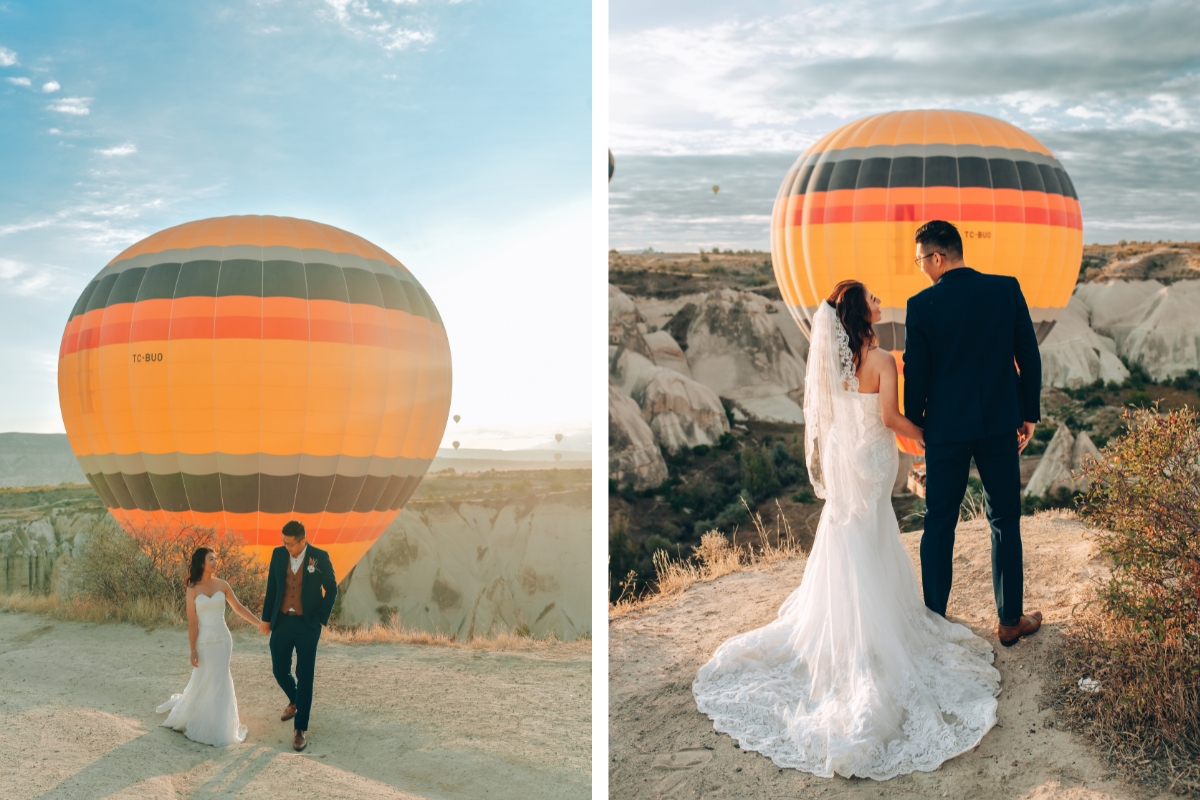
(294, 529)
(941, 235)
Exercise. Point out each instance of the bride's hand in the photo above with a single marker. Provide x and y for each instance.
(195, 659)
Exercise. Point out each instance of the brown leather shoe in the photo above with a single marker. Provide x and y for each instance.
(1011, 634)
(288, 712)
(299, 742)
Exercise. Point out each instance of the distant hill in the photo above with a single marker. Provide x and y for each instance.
(37, 459)
(45, 459)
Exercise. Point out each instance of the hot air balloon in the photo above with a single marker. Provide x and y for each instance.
(455, 445)
(558, 437)
(716, 188)
(612, 165)
(558, 456)
(239, 372)
(456, 419)
(849, 206)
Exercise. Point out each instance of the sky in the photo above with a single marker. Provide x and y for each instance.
(705, 92)
(455, 134)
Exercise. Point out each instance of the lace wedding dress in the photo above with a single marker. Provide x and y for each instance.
(206, 712)
(855, 676)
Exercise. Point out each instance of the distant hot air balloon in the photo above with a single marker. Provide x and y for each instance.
(558, 456)
(851, 203)
(716, 188)
(612, 165)
(558, 437)
(456, 418)
(239, 372)
(455, 445)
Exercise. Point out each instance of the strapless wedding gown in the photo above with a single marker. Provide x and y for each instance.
(206, 712)
(855, 676)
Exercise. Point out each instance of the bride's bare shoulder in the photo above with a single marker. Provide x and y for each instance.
(880, 358)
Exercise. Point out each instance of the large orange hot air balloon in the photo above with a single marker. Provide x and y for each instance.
(239, 372)
(851, 203)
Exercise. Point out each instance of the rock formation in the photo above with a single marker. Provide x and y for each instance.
(468, 569)
(666, 352)
(1074, 355)
(1153, 325)
(1060, 465)
(633, 455)
(36, 553)
(649, 367)
(682, 412)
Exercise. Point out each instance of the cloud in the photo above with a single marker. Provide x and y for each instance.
(19, 81)
(77, 106)
(391, 29)
(21, 279)
(7, 57)
(50, 86)
(1064, 65)
(119, 150)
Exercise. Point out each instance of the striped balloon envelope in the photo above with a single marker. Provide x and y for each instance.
(239, 372)
(850, 205)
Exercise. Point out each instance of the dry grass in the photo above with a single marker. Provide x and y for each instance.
(1141, 638)
(716, 556)
(151, 615)
(395, 633)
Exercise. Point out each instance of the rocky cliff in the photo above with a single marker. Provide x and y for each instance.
(470, 568)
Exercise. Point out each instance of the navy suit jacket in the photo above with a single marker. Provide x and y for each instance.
(962, 337)
(318, 588)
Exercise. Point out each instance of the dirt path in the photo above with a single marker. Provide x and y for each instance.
(389, 721)
(661, 746)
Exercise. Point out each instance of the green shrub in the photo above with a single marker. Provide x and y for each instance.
(1138, 399)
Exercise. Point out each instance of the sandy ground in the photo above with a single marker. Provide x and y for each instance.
(661, 746)
(389, 721)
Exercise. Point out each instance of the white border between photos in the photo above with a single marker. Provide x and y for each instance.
(599, 373)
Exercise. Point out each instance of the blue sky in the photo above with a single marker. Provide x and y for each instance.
(1113, 88)
(455, 135)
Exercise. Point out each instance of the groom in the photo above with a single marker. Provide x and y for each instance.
(960, 385)
(301, 588)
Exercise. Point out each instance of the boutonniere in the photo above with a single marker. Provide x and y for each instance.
(312, 565)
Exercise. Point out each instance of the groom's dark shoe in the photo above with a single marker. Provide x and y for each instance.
(288, 712)
(1027, 626)
(299, 742)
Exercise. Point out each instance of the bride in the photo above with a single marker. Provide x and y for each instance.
(206, 712)
(855, 676)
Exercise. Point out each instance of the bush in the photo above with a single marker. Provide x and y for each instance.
(1095, 401)
(1139, 398)
(147, 568)
(1142, 641)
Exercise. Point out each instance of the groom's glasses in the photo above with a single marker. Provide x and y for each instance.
(918, 261)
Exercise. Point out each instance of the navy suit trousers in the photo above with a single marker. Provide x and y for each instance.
(947, 466)
(293, 634)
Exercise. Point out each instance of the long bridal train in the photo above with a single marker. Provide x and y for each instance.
(855, 676)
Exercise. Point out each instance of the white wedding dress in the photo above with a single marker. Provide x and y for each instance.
(206, 712)
(855, 676)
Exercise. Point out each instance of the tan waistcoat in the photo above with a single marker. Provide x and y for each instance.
(291, 589)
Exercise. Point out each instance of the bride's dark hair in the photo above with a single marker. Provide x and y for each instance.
(849, 301)
(196, 568)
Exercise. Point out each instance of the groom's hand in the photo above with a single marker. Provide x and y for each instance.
(1024, 436)
(264, 627)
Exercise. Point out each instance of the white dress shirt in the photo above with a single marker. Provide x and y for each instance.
(298, 560)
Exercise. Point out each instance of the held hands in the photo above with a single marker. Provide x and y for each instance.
(195, 659)
(264, 627)
(1024, 436)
